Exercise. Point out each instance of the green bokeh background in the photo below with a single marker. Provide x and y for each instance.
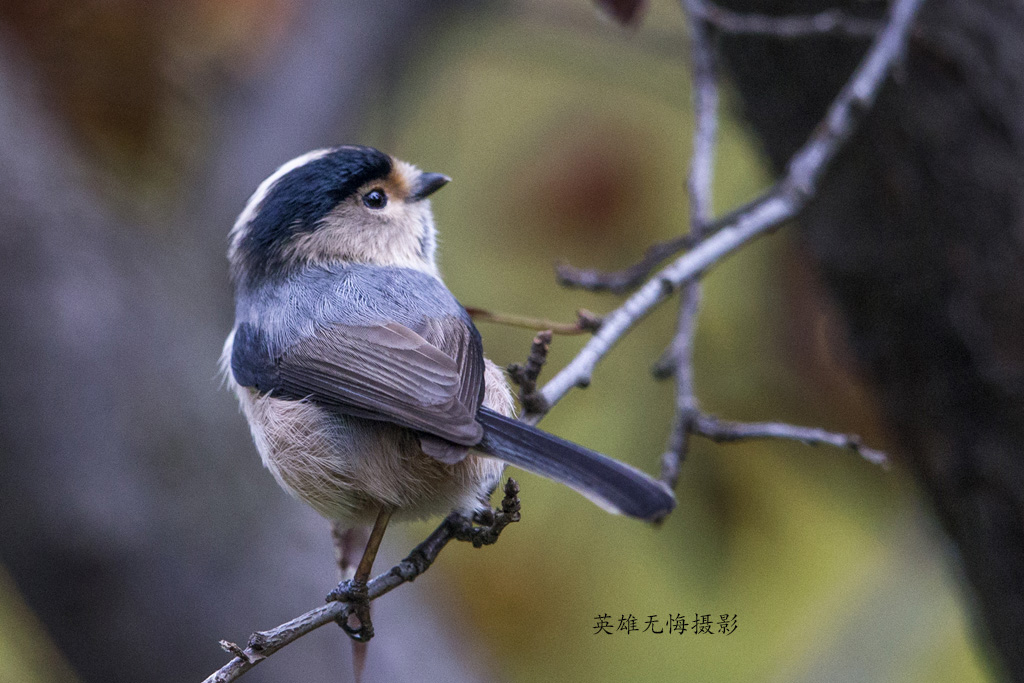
(569, 139)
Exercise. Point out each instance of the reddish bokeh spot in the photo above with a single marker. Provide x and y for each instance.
(591, 185)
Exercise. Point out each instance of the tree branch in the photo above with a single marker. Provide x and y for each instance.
(782, 203)
(705, 105)
(625, 280)
(723, 431)
(829, 22)
(526, 375)
(699, 188)
(628, 279)
(262, 644)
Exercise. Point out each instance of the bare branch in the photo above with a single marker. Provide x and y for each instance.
(722, 431)
(782, 203)
(699, 188)
(749, 222)
(705, 105)
(830, 22)
(526, 375)
(627, 279)
(262, 644)
(586, 321)
(233, 648)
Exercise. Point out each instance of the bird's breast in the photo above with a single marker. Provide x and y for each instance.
(347, 468)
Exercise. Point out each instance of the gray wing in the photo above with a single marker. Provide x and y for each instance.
(429, 379)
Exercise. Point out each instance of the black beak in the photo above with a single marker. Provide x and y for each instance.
(427, 184)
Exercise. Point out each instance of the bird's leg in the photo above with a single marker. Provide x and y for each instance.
(353, 591)
(349, 543)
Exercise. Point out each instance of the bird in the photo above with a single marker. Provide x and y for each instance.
(362, 377)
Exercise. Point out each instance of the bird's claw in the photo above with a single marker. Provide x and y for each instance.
(354, 593)
(484, 517)
(348, 591)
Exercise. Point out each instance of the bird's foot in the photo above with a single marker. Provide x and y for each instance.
(486, 525)
(354, 593)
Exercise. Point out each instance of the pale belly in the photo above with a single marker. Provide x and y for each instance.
(348, 468)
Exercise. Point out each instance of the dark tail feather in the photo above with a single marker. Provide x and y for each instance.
(610, 484)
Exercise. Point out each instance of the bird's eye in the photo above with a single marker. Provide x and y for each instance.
(375, 199)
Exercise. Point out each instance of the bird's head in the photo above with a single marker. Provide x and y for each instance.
(343, 204)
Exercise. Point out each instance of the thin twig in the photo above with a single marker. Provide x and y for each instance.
(705, 105)
(782, 203)
(526, 375)
(723, 431)
(829, 23)
(262, 644)
(586, 321)
(681, 354)
(703, 12)
(627, 279)
(700, 192)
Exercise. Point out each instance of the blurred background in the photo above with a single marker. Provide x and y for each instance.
(138, 527)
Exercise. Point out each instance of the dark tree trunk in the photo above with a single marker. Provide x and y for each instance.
(919, 234)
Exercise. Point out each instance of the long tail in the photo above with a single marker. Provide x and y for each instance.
(610, 484)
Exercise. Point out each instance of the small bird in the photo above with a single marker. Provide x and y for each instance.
(362, 377)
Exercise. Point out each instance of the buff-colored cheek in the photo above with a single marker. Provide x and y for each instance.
(401, 179)
(392, 238)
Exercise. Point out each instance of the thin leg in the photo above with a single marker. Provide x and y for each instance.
(354, 591)
(349, 544)
(372, 545)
